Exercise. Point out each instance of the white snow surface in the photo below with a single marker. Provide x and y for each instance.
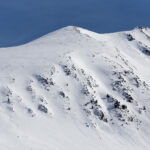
(74, 89)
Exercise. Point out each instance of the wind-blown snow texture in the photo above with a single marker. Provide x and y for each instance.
(74, 89)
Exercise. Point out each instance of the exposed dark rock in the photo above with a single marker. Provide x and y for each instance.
(9, 102)
(144, 48)
(93, 102)
(85, 91)
(130, 37)
(91, 82)
(110, 99)
(92, 107)
(131, 119)
(44, 80)
(144, 108)
(124, 107)
(30, 111)
(116, 104)
(29, 88)
(42, 108)
(99, 113)
(146, 51)
(68, 108)
(140, 27)
(128, 97)
(137, 82)
(66, 70)
(107, 96)
(105, 120)
(62, 93)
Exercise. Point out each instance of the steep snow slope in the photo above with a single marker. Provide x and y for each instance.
(75, 89)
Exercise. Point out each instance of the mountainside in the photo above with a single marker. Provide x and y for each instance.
(74, 89)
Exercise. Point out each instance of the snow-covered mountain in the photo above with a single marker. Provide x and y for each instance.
(74, 89)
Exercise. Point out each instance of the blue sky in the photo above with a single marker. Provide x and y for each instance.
(25, 20)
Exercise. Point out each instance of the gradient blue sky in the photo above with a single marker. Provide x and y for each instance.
(24, 20)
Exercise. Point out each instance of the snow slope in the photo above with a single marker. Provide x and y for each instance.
(75, 89)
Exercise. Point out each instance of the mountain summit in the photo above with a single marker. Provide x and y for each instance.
(74, 89)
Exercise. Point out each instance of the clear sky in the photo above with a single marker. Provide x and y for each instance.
(24, 20)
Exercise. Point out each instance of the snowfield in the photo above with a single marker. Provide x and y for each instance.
(74, 89)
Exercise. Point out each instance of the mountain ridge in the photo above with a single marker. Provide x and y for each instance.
(76, 89)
